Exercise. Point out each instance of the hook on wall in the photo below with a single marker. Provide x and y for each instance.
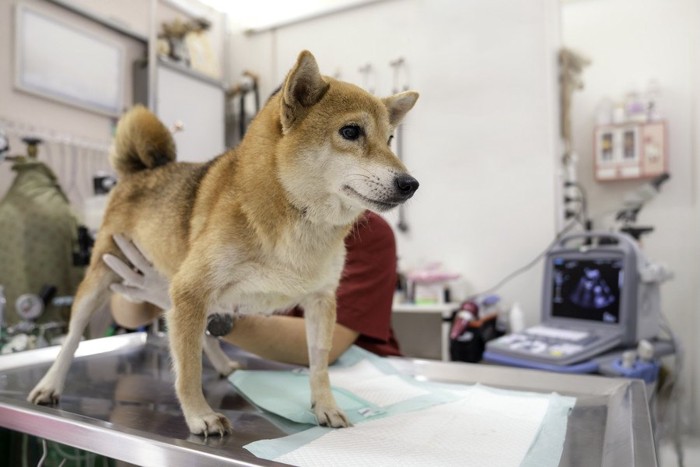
(367, 70)
(398, 66)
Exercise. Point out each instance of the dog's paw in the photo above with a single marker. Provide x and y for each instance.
(331, 416)
(211, 423)
(45, 395)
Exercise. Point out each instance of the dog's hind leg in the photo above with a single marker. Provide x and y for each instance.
(218, 358)
(319, 316)
(92, 294)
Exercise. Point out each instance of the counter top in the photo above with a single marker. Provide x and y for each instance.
(119, 401)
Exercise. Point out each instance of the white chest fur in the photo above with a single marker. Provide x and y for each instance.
(300, 264)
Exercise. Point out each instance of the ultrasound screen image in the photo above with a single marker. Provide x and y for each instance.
(587, 289)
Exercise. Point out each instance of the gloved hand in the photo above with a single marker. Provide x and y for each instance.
(144, 284)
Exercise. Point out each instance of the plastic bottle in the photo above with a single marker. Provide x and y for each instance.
(516, 318)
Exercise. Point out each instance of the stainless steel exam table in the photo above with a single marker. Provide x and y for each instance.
(119, 402)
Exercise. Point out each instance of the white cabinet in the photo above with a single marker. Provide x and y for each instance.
(631, 150)
(196, 102)
(423, 331)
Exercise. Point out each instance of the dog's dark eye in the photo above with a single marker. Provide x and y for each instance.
(388, 143)
(351, 132)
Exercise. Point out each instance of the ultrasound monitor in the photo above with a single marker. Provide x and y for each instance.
(587, 289)
(594, 298)
(593, 281)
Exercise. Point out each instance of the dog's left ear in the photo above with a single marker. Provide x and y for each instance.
(399, 105)
(303, 88)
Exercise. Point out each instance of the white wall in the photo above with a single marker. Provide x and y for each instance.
(631, 42)
(481, 139)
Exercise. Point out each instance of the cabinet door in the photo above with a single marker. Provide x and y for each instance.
(199, 105)
(654, 152)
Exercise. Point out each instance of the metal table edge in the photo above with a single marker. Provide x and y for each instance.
(104, 438)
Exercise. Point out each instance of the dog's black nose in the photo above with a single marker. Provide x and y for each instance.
(406, 185)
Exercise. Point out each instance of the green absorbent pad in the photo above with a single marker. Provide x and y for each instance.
(401, 421)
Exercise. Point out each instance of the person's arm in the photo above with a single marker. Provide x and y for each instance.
(283, 338)
(131, 315)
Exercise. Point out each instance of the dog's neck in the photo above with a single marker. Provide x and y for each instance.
(272, 208)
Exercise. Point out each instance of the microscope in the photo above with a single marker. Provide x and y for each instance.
(634, 202)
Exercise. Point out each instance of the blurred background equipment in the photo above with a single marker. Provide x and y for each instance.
(599, 292)
(240, 110)
(38, 232)
(4, 144)
(634, 201)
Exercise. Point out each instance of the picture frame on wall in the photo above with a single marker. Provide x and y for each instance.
(59, 61)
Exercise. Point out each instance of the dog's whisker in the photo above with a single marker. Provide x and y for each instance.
(365, 169)
(359, 176)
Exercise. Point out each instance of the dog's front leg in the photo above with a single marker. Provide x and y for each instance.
(319, 315)
(186, 324)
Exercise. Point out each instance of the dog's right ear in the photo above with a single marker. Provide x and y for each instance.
(303, 88)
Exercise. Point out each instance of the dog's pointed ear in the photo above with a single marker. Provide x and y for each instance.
(399, 105)
(303, 88)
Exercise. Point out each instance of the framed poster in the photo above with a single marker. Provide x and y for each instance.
(61, 62)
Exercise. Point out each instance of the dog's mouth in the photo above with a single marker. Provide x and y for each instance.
(379, 205)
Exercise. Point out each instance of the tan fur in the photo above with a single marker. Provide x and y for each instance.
(257, 229)
(143, 142)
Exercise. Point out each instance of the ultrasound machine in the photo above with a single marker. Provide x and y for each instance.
(599, 293)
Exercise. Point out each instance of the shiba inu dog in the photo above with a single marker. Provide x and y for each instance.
(258, 229)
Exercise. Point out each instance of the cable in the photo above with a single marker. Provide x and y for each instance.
(44, 453)
(534, 261)
(674, 383)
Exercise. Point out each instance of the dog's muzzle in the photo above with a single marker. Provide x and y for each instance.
(405, 186)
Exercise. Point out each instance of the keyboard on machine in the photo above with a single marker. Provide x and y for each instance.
(549, 342)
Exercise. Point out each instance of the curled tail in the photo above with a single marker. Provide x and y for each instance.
(141, 142)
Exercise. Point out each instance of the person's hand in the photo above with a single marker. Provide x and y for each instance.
(140, 280)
